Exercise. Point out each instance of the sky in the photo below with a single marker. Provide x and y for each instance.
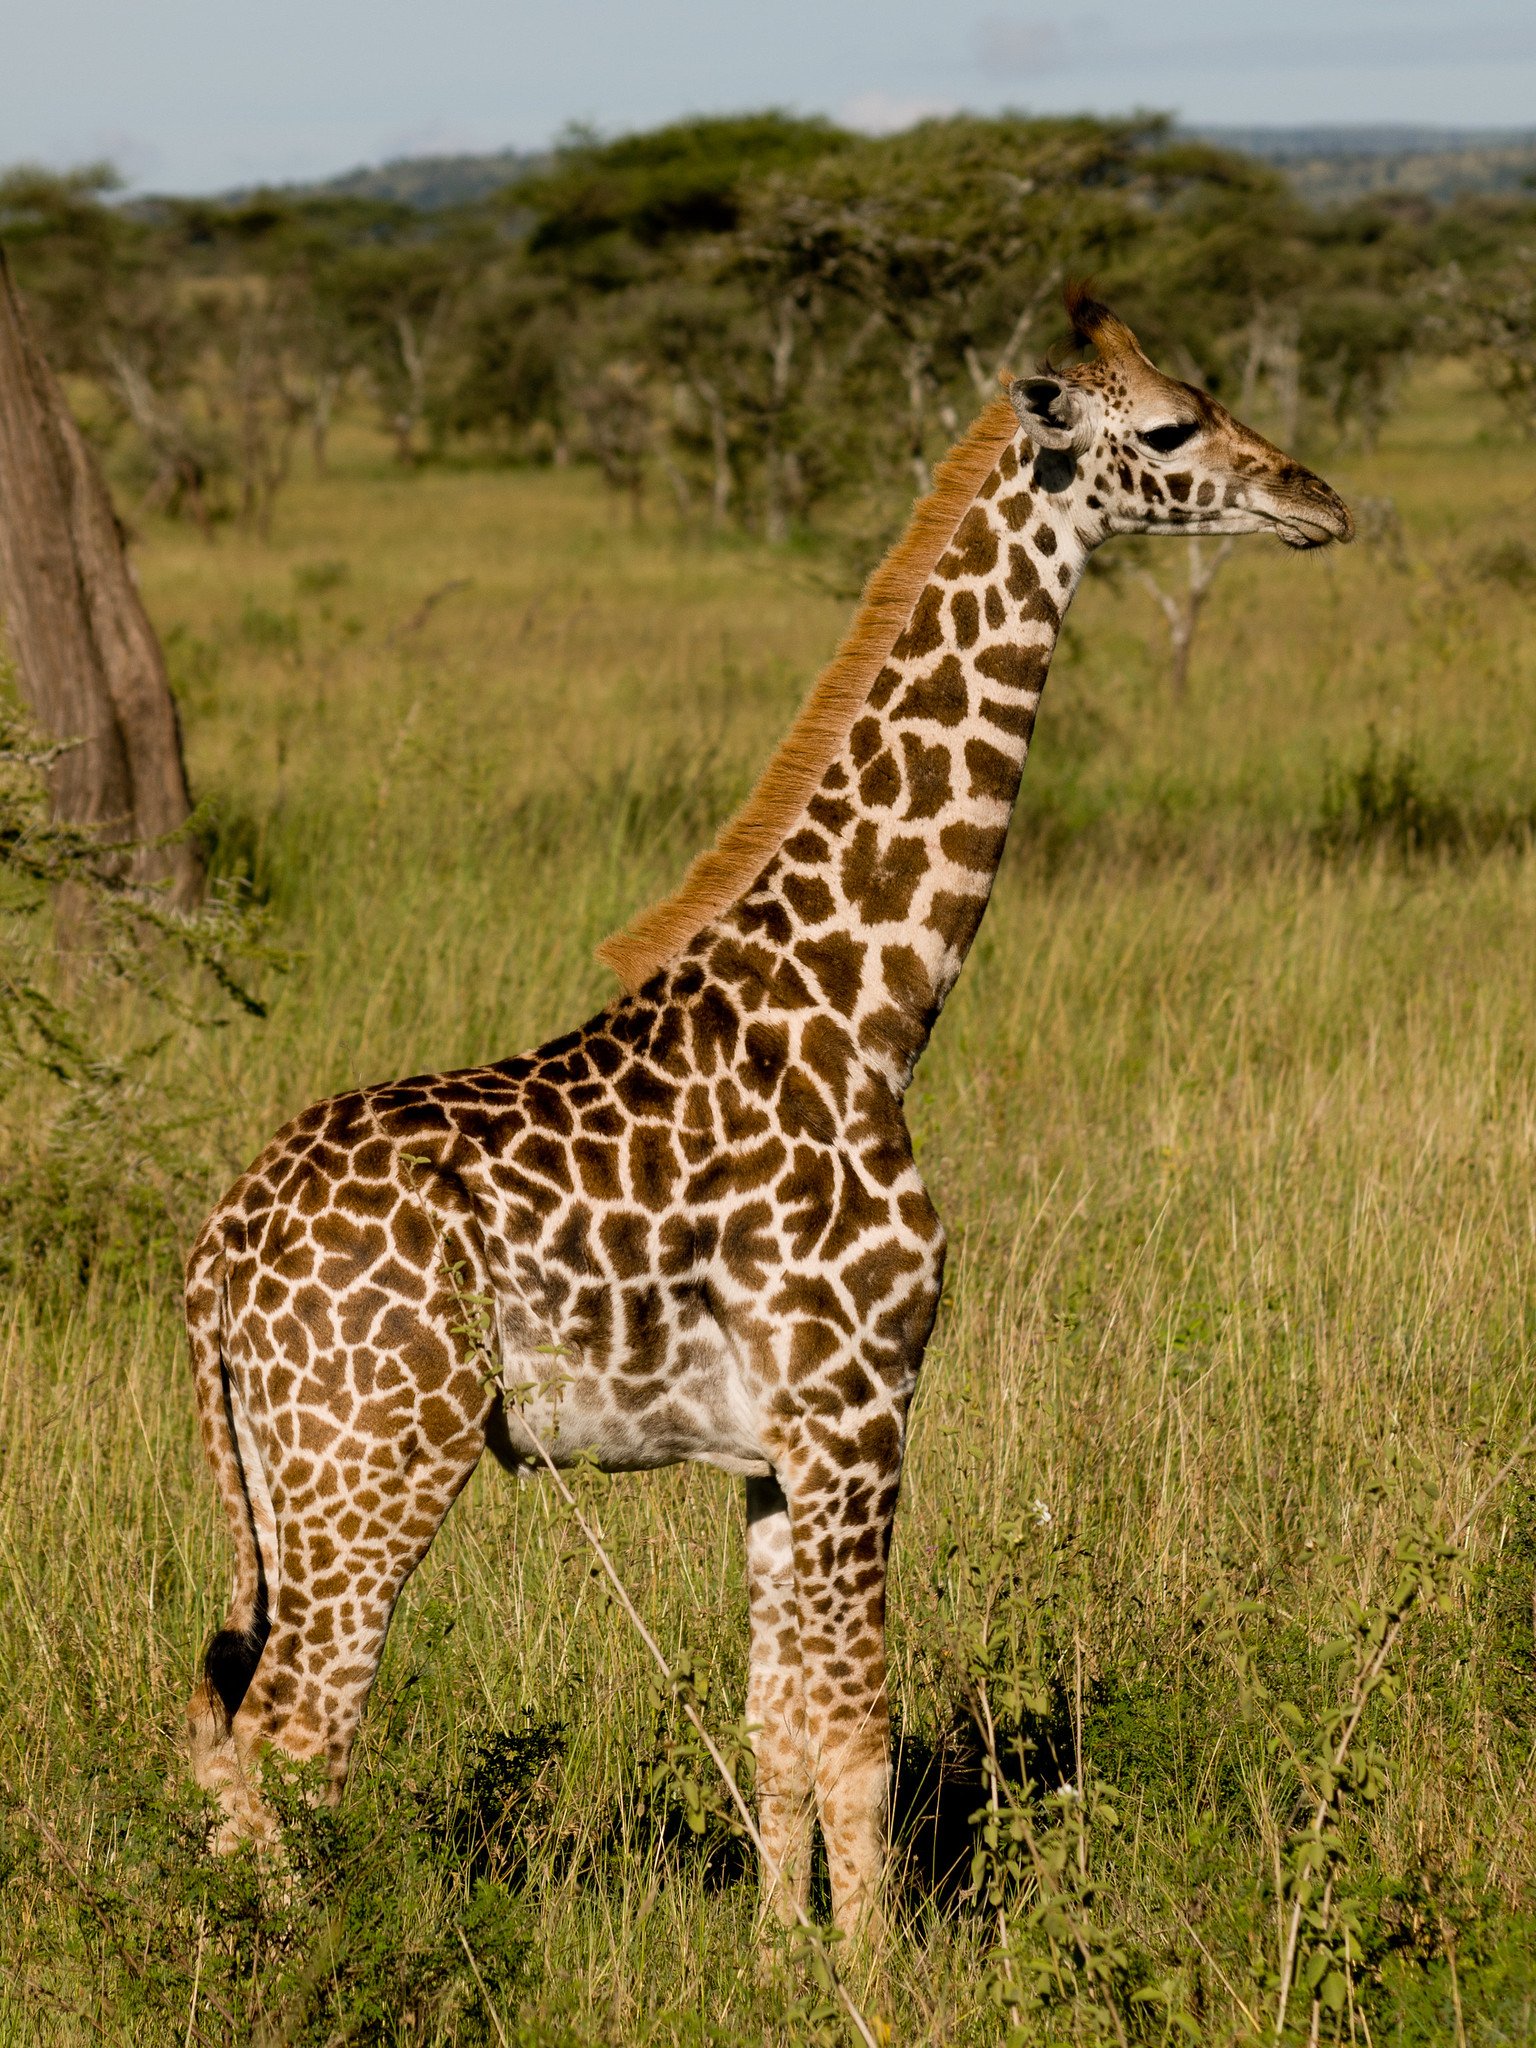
(199, 95)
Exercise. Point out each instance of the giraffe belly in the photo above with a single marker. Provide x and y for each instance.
(697, 1410)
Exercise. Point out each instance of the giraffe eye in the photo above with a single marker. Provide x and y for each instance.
(1166, 439)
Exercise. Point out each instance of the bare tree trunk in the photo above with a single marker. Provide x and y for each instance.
(1253, 361)
(414, 351)
(1181, 609)
(1274, 350)
(776, 514)
(1007, 363)
(863, 335)
(269, 417)
(322, 404)
(1286, 373)
(915, 370)
(404, 421)
(1191, 371)
(720, 451)
(677, 483)
(180, 473)
(253, 452)
(88, 662)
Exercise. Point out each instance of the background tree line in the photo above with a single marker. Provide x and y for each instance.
(754, 318)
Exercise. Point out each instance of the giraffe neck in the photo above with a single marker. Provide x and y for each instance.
(874, 897)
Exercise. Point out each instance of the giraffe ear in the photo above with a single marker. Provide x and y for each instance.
(1054, 413)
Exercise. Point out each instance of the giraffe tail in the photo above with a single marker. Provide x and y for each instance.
(230, 1661)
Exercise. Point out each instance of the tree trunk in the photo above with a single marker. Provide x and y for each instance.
(1274, 351)
(1286, 371)
(720, 450)
(1007, 362)
(327, 384)
(1182, 609)
(180, 474)
(915, 370)
(88, 663)
(413, 361)
(782, 348)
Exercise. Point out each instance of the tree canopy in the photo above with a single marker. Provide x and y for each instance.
(761, 312)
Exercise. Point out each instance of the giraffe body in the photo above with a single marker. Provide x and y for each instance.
(692, 1229)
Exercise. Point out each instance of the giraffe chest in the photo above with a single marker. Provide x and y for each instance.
(630, 1320)
(671, 1391)
(702, 1274)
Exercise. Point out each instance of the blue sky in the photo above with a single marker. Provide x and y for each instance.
(193, 95)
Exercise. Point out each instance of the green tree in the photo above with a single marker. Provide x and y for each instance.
(1497, 319)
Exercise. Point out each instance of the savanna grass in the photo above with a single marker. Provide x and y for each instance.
(1231, 1120)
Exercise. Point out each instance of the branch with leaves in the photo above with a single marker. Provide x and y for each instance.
(120, 931)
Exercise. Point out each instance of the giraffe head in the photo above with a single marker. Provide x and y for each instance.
(1137, 452)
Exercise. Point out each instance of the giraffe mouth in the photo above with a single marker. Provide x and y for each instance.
(1301, 537)
(1317, 527)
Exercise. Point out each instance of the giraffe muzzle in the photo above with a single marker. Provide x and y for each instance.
(1315, 528)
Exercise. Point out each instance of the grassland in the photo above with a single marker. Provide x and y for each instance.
(1231, 1120)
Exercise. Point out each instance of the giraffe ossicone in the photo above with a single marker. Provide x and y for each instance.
(693, 1229)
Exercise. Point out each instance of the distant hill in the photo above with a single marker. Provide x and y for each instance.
(1326, 164)
(427, 183)
(1332, 164)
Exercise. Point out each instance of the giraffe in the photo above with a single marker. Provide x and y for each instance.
(693, 1228)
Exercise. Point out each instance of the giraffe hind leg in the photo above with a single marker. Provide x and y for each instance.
(232, 1657)
(316, 1668)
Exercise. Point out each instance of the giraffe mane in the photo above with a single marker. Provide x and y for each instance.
(748, 841)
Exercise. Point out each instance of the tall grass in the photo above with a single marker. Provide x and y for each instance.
(1232, 1122)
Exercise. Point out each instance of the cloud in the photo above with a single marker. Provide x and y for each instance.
(1021, 48)
(1031, 46)
(883, 113)
(135, 159)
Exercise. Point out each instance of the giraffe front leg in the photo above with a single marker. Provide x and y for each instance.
(776, 1705)
(842, 1494)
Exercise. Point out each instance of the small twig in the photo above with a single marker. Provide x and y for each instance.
(501, 2032)
(197, 1978)
(1189, 1927)
(1046, 1880)
(994, 1806)
(1450, 1956)
(426, 608)
(1004, 364)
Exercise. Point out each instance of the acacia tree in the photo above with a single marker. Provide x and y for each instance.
(102, 289)
(1496, 316)
(787, 259)
(702, 330)
(518, 339)
(395, 299)
(628, 253)
(78, 260)
(1182, 603)
(954, 239)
